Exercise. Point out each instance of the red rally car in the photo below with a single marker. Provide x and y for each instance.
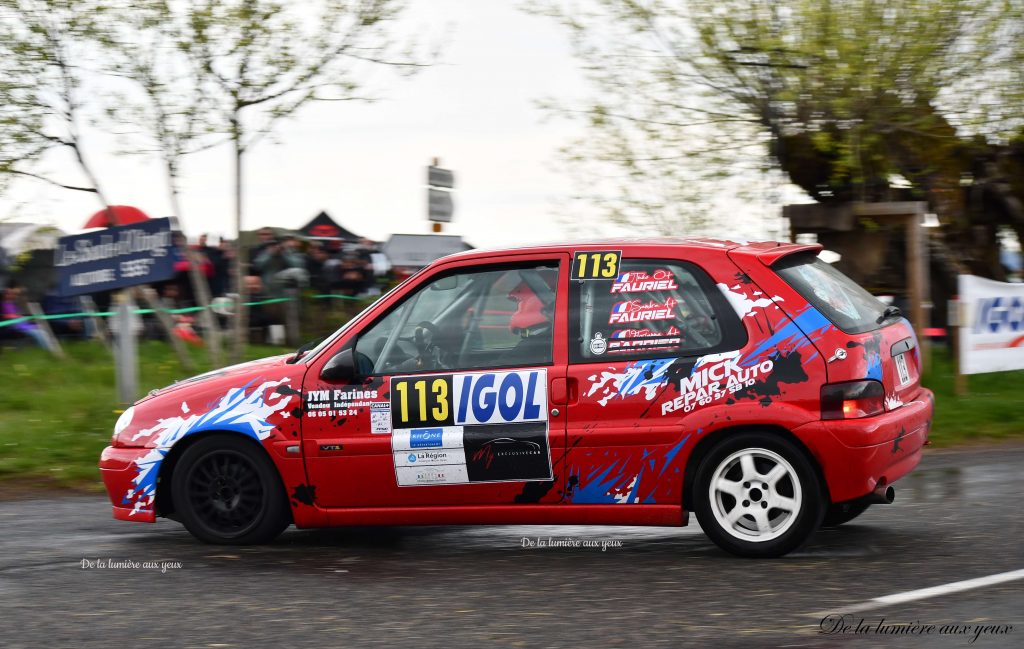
(616, 384)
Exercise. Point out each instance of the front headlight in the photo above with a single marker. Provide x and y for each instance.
(123, 422)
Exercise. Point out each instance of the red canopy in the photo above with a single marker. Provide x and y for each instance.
(123, 214)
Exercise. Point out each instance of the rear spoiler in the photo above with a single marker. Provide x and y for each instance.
(770, 252)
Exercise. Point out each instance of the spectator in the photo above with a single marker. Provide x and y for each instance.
(279, 266)
(266, 239)
(10, 310)
(214, 267)
(54, 304)
(321, 269)
(351, 275)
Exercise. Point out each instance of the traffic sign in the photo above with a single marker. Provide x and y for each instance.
(440, 205)
(438, 177)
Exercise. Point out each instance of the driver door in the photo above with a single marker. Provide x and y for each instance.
(453, 407)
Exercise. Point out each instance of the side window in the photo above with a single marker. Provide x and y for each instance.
(652, 308)
(499, 316)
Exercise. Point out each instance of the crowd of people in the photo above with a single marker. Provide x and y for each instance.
(278, 266)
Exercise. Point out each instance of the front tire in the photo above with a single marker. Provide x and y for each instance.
(757, 495)
(228, 492)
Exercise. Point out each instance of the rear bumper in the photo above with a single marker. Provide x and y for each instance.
(119, 469)
(858, 455)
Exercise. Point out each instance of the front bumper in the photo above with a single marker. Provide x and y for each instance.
(858, 455)
(119, 468)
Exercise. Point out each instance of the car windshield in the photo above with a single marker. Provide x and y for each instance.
(839, 298)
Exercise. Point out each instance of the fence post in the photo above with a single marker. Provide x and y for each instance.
(51, 341)
(291, 318)
(149, 294)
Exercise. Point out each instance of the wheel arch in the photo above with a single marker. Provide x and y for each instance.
(711, 440)
(164, 504)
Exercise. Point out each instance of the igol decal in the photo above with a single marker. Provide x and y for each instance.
(241, 410)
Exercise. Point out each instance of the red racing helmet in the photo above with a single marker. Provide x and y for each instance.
(529, 310)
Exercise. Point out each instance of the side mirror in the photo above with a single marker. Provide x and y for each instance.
(341, 367)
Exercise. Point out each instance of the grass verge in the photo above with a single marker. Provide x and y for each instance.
(56, 416)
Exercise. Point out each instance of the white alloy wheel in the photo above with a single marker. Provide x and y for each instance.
(755, 495)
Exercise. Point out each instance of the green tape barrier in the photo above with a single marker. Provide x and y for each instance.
(189, 309)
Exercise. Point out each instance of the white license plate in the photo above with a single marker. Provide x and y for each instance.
(902, 372)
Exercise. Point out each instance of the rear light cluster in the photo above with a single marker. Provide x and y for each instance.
(852, 400)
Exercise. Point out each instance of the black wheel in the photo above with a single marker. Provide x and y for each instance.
(757, 495)
(227, 491)
(839, 513)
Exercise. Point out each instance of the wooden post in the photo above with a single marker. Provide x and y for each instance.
(960, 387)
(149, 294)
(291, 318)
(99, 326)
(126, 355)
(52, 344)
(917, 284)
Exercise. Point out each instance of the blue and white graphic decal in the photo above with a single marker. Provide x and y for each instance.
(242, 410)
(645, 377)
(470, 427)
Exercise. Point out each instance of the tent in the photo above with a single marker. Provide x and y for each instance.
(325, 228)
(418, 250)
(19, 238)
(125, 215)
(27, 252)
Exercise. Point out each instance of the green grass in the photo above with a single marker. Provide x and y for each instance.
(56, 416)
(992, 409)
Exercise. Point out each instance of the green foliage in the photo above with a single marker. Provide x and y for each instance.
(56, 416)
(991, 409)
(44, 49)
(843, 93)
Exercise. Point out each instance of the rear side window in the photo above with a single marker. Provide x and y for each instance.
(651, 308)
(838, 297)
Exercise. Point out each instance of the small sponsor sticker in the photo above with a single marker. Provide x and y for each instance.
(598, 345)
(380, 418)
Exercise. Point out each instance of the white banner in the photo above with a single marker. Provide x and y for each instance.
(991, 325)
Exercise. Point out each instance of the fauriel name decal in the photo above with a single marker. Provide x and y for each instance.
(636, 281)
(640, 311)
(470, 427)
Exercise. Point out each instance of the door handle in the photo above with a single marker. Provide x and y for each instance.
(564, 391)
(559, 393)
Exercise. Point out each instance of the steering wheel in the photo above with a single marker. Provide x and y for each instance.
(428, 353)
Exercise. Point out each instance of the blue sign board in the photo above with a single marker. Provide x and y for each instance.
(116, 257)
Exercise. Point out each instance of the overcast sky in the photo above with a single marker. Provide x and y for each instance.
(365, 163)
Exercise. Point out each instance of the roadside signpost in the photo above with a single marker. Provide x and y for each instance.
(440, 183)
(114, 258)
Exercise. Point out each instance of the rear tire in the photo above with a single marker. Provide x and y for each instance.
(839, 513)
(757, 495)
(228, 492)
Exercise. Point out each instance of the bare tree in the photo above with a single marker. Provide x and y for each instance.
(44, 87)
(261, 61)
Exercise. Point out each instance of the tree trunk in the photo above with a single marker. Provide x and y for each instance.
(241, 257)
(200, 286)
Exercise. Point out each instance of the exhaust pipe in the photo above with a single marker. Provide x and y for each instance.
(882, 495)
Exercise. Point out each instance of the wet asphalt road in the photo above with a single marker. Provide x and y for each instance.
(959, 516)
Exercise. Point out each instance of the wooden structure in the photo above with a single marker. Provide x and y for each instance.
(841, 228)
